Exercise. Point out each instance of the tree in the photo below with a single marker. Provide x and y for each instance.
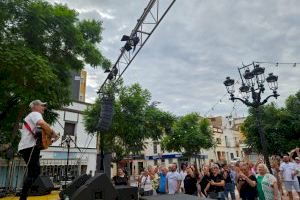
(190, 134)
(134, 121)
(40, 45)
(280, 125)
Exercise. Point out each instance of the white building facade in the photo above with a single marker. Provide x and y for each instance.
(83, 151)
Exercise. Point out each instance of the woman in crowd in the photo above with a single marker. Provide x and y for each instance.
(162, 180)
(246, 183)
(229, 178)
(204, 180)
(267, 187)
(153, 173)
(215, 187)
(276, 173)
(183, 174)
(120, 178)
(190, 182)
(145, 183)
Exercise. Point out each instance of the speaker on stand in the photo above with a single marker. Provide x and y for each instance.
(105, 120)
(106, 114)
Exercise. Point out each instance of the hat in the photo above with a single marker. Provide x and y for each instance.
(36, 102)
(297, 158)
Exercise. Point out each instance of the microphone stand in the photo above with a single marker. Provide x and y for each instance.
(67, 141)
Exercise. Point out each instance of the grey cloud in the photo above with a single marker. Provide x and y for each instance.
(197, 45)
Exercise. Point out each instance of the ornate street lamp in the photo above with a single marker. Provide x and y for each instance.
(253, 85)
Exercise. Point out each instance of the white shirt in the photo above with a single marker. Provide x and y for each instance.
(146, 183)
(183, 175)
(287, 170)
(173, 178)
(27, 139)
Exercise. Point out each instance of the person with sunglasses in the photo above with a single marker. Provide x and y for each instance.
(215, 187)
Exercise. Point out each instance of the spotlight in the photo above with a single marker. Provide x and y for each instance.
(131, 42)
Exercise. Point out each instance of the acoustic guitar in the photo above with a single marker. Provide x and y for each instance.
(44, 137)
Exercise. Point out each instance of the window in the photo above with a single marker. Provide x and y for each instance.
(69, 129)
(155, 162)
(155, 147)
(231, 156)
(237, 154)
(219, 141)
(170, 160)
(226, 141)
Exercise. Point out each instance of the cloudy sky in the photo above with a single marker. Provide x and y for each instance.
(197, 45)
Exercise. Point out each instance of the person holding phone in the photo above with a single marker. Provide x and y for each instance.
(246, 183)
(215, 187)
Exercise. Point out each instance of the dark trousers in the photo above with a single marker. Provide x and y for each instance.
(33, 169)
(229, 189)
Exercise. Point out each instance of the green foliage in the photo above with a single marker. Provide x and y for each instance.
(190, 134)
(134, 121)
(281, 127)
(40, 45)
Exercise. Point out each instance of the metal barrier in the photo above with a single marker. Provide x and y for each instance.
(12, 172)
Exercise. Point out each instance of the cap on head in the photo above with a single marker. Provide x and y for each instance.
(36, 102)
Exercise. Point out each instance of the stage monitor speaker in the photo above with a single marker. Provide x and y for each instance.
(126, 192)
(98, 187)
(72, 187)
(42, 186)
(106, 114)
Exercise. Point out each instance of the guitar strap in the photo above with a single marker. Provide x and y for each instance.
(29, 129)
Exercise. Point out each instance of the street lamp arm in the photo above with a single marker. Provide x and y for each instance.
(266, 99)
(246, 102)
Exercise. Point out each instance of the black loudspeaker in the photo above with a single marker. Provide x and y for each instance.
(72, 187)
(106, 114)
(98, 187)
(42, 186)
(107, 163)
(126, 192)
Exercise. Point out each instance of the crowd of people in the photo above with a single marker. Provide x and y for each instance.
(221, 181)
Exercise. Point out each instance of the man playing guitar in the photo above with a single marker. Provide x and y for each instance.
(27, 145)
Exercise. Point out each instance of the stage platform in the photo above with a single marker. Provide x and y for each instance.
(53, 196)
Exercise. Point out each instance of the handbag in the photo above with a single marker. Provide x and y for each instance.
(141, 190)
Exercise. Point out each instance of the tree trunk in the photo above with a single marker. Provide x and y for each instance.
(18, 120)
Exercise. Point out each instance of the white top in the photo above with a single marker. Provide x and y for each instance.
(146, 183)
(267, 186)
(27, 139)
(287, 170)
(183, 175)
(297, 166)
(173, 178)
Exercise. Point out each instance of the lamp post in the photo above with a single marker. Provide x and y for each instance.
(253, 85)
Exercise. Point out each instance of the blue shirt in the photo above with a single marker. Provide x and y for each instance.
(162, 183)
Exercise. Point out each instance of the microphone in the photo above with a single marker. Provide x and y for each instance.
(51, 111)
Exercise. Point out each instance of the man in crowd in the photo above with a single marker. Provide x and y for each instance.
(289, 172)
(173, 180)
